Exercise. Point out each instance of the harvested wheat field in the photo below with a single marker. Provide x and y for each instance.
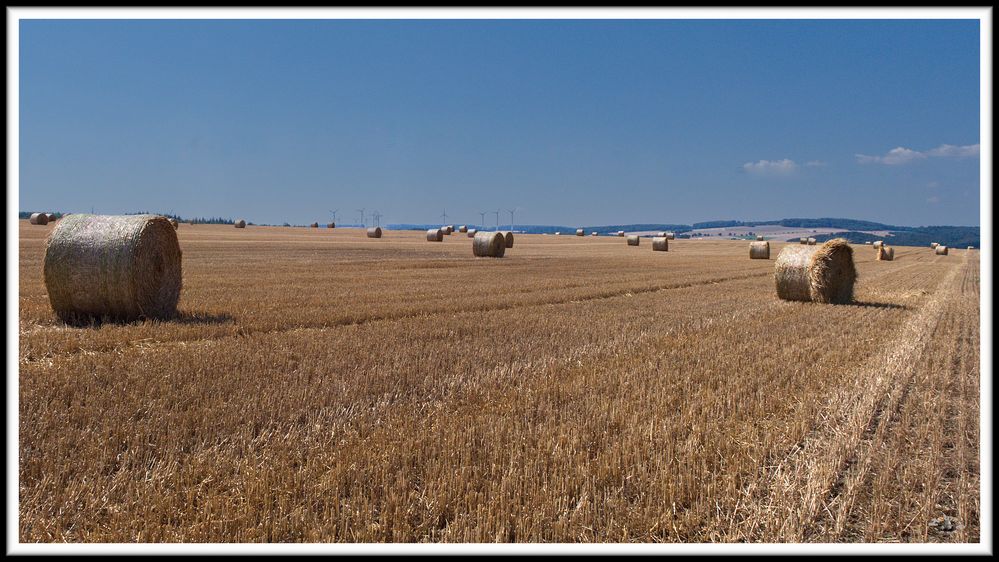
(341, 389)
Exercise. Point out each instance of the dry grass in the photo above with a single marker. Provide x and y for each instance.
(587, 397)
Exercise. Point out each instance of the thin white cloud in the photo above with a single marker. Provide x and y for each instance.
(901, 155)
(771, 167)
(815, 163)
(933, 200)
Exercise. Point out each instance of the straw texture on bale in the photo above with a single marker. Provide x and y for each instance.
(507, 238)
(375, 232)
(934, 244)
(120, 268)
(633, 240)
(435, 235)
(941, 250)
(175, 224)
(240, 223)
(39, 218)
(811, 241)
(489, 244)
(471, 232)
(580, 232)
(803, 240)
(759, 250)
(660, 244)
(463, 228)
(759, 238)
(823, 273)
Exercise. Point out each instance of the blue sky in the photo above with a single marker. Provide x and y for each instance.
(573, 122)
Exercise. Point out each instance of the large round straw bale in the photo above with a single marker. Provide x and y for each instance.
(375, 232)
(39, 218)
(803, 240)
(50, 216)
(463, 228)
(823, 273)
(759, 250)
(660, 244)
(507, 238)
(120, 268)
(580, 232)
(759, 238)
(489, 244)
(941, 250)
(633, 240)
(314, 225)
(471, 232)
(934, 244)
(240, 223)
(811, 241)
(435, 235)
(620, 233)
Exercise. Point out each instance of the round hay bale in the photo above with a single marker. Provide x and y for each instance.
(580, 232)
(971, 247)
(435, 235)
(489, 244)
(759, 250)
(314, 225)
(891, 254)
(463, 229)
(175, 224)
(39, 218)
(593, 234)
(660, 244)
(670, 236)
(803, 240)
(50, 216)
(558, 234)
(471, 232)
(878, 243)
(759, 238)
(934, 244)
(633, 240)
(121, 268)
(331, 225)
(375, 232)
(620, 233)
(240, 223)
(811, 241)
(507, 238)
(868, 242)
(661, 235)
(450, 229)
(822, 273)
(941, 250)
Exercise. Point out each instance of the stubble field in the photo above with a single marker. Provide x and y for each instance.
(321, 386)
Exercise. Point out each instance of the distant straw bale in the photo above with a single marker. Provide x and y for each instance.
(759, 250)
(39, 218)
(620, 233)
(803, 240)
(759, 238)
(580, 232)
(435, 235)
(463, 229)
(489, 244)
(119, 268)
(823, 273)
(375, 232)
(240, 223)
(811, 241)
(660, 244)
(633, 240)
(471, 232)
(50, 216)
(941, 250)
(331, 225)
(507, 238)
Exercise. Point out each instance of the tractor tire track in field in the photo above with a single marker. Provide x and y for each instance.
(396, 317)
(826, 466)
